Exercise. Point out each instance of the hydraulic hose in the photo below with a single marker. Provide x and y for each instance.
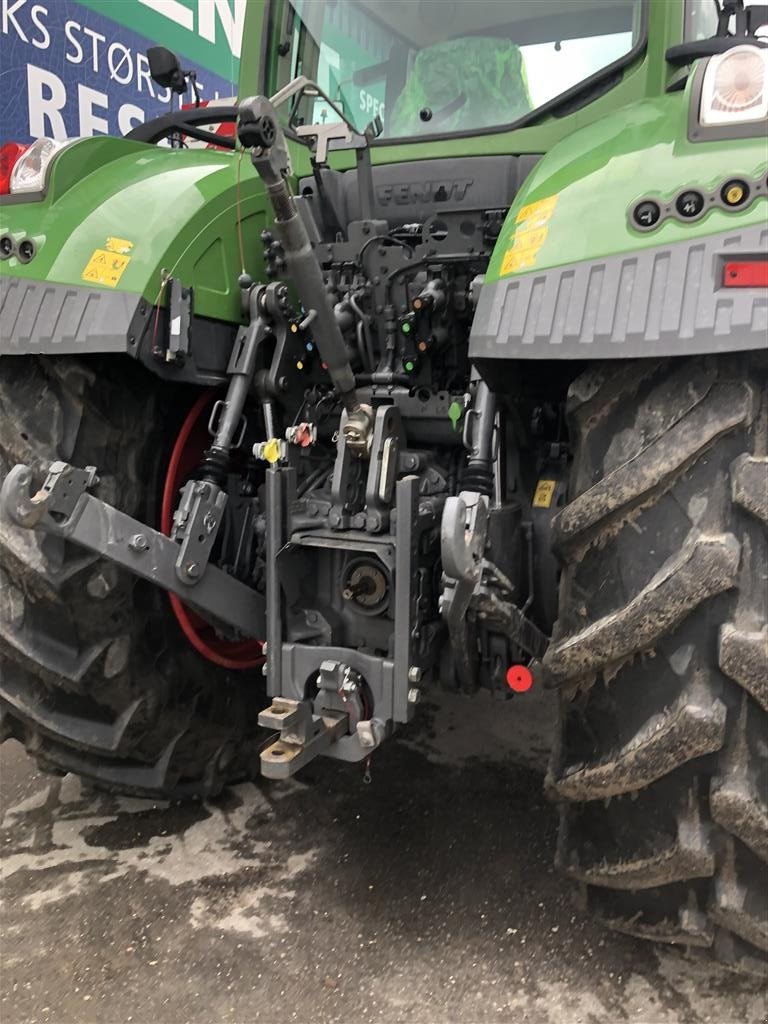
(478, 439)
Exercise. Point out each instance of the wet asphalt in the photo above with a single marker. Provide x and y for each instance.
(425, 897)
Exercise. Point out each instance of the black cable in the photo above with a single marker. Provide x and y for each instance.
(382, 240)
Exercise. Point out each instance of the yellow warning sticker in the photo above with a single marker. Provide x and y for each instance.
(121, 245)
(524, 250)
(538, 213)
(517, 260)
(529, 235)
(530, 239)
(105, 267)
(545, 491)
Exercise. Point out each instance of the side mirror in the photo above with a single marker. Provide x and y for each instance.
(165, 69)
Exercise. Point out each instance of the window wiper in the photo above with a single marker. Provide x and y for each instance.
(695, 49)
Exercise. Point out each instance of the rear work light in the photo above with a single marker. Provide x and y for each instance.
(735, 87)
(10, 153)
(29, 170)
(745, 274)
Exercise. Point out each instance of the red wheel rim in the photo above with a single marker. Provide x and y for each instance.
(187, 453)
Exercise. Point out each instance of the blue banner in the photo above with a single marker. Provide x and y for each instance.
(66, 71)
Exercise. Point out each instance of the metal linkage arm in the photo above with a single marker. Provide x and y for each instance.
(64, 508)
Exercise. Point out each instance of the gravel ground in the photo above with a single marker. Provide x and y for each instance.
(426, 897)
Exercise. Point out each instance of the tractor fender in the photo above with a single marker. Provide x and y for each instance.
(575, 274)
(117, 219)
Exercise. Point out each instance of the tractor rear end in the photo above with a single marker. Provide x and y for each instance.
(387, 399)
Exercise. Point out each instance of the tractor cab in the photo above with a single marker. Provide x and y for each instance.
(434, 69)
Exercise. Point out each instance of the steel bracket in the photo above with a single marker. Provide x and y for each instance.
(196, 524)
(56, 500)
(179, 319)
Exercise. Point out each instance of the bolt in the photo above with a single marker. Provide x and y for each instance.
(264, 647)
(209, 522)
(192, 569)
(414, 674)
(414, 695)
(138, 542)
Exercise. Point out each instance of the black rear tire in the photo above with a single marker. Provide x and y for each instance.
(96, 676)
(661, 650)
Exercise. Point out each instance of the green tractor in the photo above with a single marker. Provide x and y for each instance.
(441, 361)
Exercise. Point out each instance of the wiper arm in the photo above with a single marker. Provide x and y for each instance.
(695, 49)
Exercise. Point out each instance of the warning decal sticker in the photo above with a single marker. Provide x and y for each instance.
(529, 235)
(121, 245)
(107, 266)
(545, 490)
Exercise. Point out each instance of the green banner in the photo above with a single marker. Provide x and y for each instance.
(207, 32)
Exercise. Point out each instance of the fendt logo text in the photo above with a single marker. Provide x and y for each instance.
(423, 192)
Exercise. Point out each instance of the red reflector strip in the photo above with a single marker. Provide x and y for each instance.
(9, 156)
(745, 274)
